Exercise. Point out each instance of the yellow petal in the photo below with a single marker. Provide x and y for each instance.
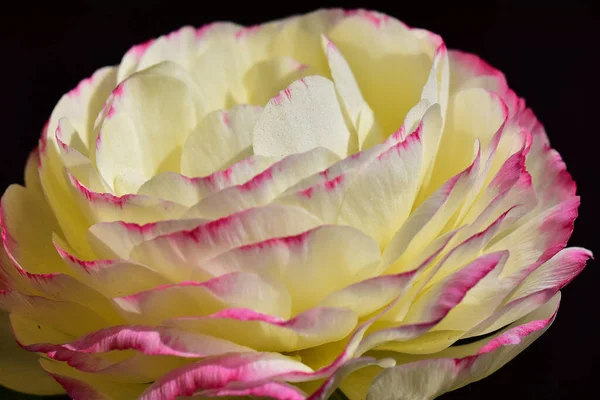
(21, 370)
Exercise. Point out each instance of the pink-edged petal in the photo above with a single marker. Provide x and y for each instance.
(177, 188)
(391, 181)
(371, 294)
(539, 238)
(116, 240)
(56, 286)
(466, 251)
(106, 207)
(131, 147)
(455, 368)
(271, 390)
(217, 372)
(267, 333)
(436, 301)
(74, 157)
(420, 315)
(552, 183)
(555, 273)
(176, 254)
(429, 220)
(265, 187)
(191, 299)
(27, 223)
(510, 189)
(473, 114)
(80, 106)
(77, 389)
(110, 277)
(539, 285)
(179, 46)
(300, 262)
(149, 340)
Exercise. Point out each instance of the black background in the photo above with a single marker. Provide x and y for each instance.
(549, 54)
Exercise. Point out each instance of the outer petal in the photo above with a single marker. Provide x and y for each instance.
(357, 110)
(426, 379)
(27, 224)
(20, 369)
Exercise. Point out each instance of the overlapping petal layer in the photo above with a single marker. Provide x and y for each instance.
(330, 200)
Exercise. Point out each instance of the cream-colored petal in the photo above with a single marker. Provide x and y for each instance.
(221, 139)
(195, 299)
(304, 262)
(266, 78)
(180, 189)
(265, 333)
(472, 114)
(148, 119)
(265, 187)
(302, 117)
(176, 254)
(116, 240)
(388, 62)
(380, 198)
(358, 111)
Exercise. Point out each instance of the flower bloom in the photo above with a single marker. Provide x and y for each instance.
(328, 201)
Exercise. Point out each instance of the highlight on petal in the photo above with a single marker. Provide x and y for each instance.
(302, 117)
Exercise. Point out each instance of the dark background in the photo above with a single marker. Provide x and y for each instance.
(548, 53)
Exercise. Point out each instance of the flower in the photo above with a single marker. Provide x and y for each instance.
(331, 200)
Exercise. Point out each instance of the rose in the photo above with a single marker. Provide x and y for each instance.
(188, 227)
